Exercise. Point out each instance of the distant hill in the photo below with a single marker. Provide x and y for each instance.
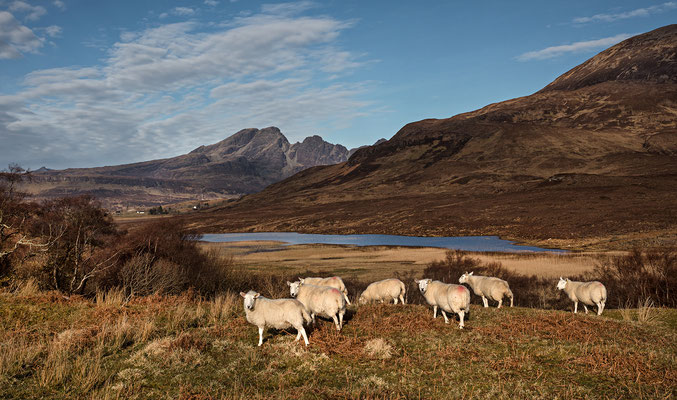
(591, 158)
(245, 162)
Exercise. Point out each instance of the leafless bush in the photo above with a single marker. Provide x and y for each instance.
(650, 274)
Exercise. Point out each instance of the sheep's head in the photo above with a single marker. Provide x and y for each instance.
(423, 284)
(362, 300)
(249, 299)
(562, 283)
(464, 277)
(294, 287)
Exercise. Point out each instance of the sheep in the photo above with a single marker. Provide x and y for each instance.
(278, 314)
(448, 297)
(333, 281)
(489, 288)
(588, 293)
(323, 300)
(385, 290)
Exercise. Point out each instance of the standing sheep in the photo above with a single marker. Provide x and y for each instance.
(488, 287)
(333, 281)
(588, 293)
(322, 300)
(278, 314)
(385, 290)
(448, 297)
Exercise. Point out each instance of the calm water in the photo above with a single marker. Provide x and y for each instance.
(468, 243)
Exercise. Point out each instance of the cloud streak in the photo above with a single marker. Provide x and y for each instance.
(15, 38)
(165, 90)
(577, 47)
(639, 12)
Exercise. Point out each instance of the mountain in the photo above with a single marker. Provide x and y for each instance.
(591, 159)
(245, 162)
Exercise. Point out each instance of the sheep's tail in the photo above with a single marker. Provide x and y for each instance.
(306, 315)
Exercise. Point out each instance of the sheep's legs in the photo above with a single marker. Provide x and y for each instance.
(575, 307)
(511, 299)
(485, 301)
(312, 317)
(395, 300)
(301, 331)
(260, 336)
(446, 320)
(499, 303)
(461, 315)
(402, 299)
(345, 296)
(336, 322)
(434, 312)
(341, 318)
(600, 308)
(586, 308)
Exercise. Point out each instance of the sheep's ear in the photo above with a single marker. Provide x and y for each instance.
(301, 280)
(288, 283)
(243, 294)
(471, 273)
(416, 281)
(256, 296)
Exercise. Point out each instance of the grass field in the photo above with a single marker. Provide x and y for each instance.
(183, 347)
(379, 262)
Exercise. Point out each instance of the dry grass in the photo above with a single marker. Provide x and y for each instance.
(380, 262)
(188, 347)
(29, 287)
(114, 297)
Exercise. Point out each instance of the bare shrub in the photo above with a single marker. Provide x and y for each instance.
(378, 348)
(29, 287)
(224, 306)
(650, 274)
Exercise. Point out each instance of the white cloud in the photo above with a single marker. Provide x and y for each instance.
(53, 30)
(211, 3)
(166, 90)
(183, 11)
(639, 12)
(577, 47)
(59, 4)
(33, 13)
(287, 9)
(16, 38)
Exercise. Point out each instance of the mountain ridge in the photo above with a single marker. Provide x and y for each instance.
(244, 162)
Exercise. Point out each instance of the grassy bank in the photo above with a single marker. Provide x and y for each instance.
(185, 347)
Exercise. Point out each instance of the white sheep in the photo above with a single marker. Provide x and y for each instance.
(488, 287)
(448, 297)
(385, 290)
(278, 314)
(588, 293)
(320, 300)
(332, 281)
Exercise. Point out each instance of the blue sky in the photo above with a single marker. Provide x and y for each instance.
(90, 83)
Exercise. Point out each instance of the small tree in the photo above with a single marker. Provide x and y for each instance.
(74, 230)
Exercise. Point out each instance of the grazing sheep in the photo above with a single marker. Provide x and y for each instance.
(278, 314)
(588, 293)
(322, 300)
(333, 281)
(385, 290)
(488, 287)
(448, 297)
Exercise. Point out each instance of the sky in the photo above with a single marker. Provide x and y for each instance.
(88, 83)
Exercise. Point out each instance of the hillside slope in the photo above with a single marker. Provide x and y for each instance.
(592, 157)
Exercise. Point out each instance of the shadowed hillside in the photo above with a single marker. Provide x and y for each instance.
(591, 157)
